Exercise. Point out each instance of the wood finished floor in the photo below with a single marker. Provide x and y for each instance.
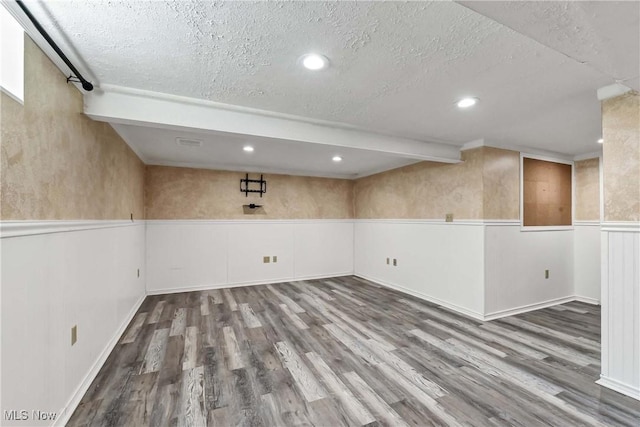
(344, 351)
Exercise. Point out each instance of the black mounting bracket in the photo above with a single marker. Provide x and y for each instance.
(247, 184)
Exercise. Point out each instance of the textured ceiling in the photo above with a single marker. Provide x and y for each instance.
(603, 35)
(396, 67)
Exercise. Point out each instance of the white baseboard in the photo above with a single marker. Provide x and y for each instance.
(243, 284)
(622, 388)
(82, 388)
(586, 300)
(529, 307)
(470, 313)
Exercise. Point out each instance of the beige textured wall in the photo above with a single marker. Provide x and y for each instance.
(55, 162)
(621, 157)
(184, 193)
(430, 190)
(587, 189)
(501, 180)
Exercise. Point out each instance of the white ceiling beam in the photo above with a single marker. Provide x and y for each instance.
(116, 104)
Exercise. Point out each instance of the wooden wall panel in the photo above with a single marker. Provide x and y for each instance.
(547, 193)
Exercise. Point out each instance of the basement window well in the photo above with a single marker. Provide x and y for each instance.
(546, 194)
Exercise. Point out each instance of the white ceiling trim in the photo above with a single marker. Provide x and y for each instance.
(587, 156)
(145, 108)
(611, 91)
(520, 148)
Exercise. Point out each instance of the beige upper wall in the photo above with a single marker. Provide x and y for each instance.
(621, 157)
(484, 186)
(501, 181)
(184, 193)
(587, 189)
(56, 163)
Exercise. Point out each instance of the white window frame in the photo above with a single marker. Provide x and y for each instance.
(11, 56)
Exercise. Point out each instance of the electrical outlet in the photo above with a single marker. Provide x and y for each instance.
(74, 334)
(449, 217)
(266, 259)
(395, 262)
(387, 260)
(546, 274)
(274, 258)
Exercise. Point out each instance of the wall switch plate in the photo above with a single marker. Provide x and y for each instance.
(266, 259)
(74, 334)
(274, 258)
(546, 274)
(387, 261)
(449, 217)
(395, 262)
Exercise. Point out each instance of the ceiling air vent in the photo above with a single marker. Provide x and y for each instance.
(188, 142)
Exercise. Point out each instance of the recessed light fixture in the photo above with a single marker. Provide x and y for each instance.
(601, 140)
(337, 159)
(314, 61)
(467, 102)
(248, 148)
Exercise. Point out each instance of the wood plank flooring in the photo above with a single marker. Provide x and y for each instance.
(344, 351)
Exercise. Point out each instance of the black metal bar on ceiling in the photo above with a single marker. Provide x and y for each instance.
(86, 85)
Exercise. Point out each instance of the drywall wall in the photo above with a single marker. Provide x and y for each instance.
(84, 268)
(401, 212)
(586, 261)
(484, 186)
(501, 184)
(621, 157)
(185, 193)
(51, 282)
(440, 262)
(198, 235)
(587, 189)
(515, 264)
(56, 163)
(188, 255)
(424, 190)
(586, 230)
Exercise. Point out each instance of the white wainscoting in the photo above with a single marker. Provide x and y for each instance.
(437, 261)
(621, 308)
(55, 275)
(191, 255)
(515, 264)
(586, 261)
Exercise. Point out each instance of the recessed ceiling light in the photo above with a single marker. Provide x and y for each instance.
(467, 102)
(248, 148)
(600, 141)
(314, 62)
(337, 159)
